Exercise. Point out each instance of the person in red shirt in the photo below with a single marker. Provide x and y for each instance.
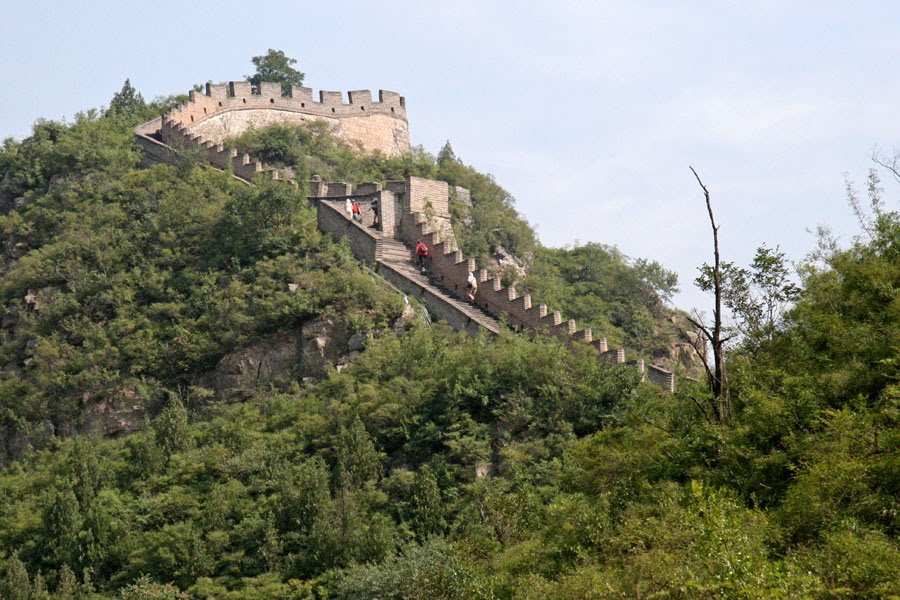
(357, 216)
(421, 253)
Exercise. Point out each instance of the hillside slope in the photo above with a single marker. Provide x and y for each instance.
(432, 464)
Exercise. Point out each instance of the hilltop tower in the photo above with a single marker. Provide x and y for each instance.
(229, 109)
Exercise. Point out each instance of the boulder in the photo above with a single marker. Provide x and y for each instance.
(407, 319)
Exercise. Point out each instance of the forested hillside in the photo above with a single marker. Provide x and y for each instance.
(433, 465)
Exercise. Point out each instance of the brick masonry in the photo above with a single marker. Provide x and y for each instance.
(230, 109)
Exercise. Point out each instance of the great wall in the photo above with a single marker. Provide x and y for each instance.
(407, 211)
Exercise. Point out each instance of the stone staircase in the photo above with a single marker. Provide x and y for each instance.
(396, 262)
(441, 288)
(395, 251)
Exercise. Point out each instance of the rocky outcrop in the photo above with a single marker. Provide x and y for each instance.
(116, 414)
(510, 265)
(268, 362)
(279, 359)
(686, 352)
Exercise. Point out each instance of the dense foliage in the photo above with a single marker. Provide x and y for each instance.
(599, 288)
(436, 465)
(126, 283)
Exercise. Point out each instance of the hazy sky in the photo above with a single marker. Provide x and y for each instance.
(589, 113)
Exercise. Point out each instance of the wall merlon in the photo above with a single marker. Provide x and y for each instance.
(661, 377)
(301, 94)
(331, 99)
(338, 188)
(522, 303)
(391, 98)
(368, 188)
(532, 316)
(614, 356)
(584, 335)
(600, 345)
(551, 319)
(240, 89)
(565, 328)
(360, 97)
(270, 89)
(217, 91)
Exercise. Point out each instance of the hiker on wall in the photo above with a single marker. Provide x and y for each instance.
(421, 253)
(357, 216)
(471, 286)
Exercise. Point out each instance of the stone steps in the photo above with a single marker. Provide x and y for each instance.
(399, 258)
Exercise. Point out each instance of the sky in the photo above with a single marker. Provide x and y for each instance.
(589, 113)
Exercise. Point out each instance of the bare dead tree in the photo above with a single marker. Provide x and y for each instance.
(716, 377)
(892, 164)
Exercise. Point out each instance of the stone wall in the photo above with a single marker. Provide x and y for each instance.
(450, 269)
(436, 303)
(661, 377)
(331, 218)
(230, 109)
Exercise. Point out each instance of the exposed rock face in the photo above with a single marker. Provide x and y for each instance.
(507, 262)
(269, 361)
(324, 342)
(119, 413)
(13, 444)
(686, 352)
(407, 319)
(281, 358)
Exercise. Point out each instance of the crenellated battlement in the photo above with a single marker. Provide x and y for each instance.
(228, 109)
(450, 269)
(238, 95)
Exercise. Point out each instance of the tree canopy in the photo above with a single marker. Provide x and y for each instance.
(275, 66)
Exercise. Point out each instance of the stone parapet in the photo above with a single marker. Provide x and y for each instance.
(228, 109)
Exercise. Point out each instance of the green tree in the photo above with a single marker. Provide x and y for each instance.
(275, 66)
(757, 297)
(171, 427)
(127, 102)
(146, 588)
(16, 584)
(357, 459)
(426, 505)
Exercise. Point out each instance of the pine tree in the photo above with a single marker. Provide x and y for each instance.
(128, 102)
